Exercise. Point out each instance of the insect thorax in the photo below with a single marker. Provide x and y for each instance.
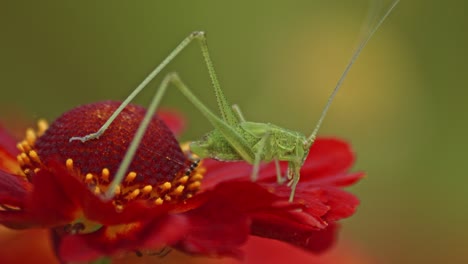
(286, 145)
(279, 143)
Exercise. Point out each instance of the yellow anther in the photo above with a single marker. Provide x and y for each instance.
(42, 126)
(97, 190)
(25, 158)
(89, 178)
(27, 171)
(19, 146)
(166, 186)
(159, 201)
(197, 177)
(69, 164)
(189, 196)
(36, 170)
(20, 160)
(117, 190)
(25, 145)
(133, 194)
(194, 156)
(185, 146)
(179, 190)
(33, 155)
(105, 174)
(30, 136)
(167, 198)
(118, 208)
(194, 185)
(130, 176)
(147, 189)
(184, 179)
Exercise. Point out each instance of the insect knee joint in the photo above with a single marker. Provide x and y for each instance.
(198, 34)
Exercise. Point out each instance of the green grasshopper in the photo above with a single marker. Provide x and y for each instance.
(233, 138)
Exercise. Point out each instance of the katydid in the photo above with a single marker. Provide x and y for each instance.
(233, 138)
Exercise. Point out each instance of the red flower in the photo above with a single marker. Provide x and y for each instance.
(167, 199)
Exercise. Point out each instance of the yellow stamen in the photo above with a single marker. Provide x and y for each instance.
(105, 174)
(42, 126)
(20, 160)
(197, 177)
(184, 179)
(117, 190)
(19, 146)
(159, 201)
(185, 147)
(167, 198)
(147, 189)
(130, 176)
(166, 186)
(33, 155)
(30, 136)
(194, 185)
(69, 164)
(179, 190)
(119, 208)
(25, 145)
(133, 194)
(89, 178)
(97, 190)
(25, 158)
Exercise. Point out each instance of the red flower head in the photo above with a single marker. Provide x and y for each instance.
(168, 198)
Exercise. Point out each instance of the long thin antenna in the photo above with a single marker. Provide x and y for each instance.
(361, 46)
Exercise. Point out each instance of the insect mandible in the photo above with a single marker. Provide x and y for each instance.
(233, 138)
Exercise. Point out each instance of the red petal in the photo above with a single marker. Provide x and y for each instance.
(58, 197)
(8, 143)
(8, 152)
(173, 120)
(13, 193)
(327, 157)
(298, 235)
(154, 234)
(222, 224)
(50, 204)
(28, 246)
(342, 204)
(13, 189)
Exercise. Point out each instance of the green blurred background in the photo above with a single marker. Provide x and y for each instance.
(403, 106)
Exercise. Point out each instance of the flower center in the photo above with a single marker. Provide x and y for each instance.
(160, 171)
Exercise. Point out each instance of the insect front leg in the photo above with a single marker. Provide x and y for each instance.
(294, 176)
(279, 177)
(143, 84)
(259, 155)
